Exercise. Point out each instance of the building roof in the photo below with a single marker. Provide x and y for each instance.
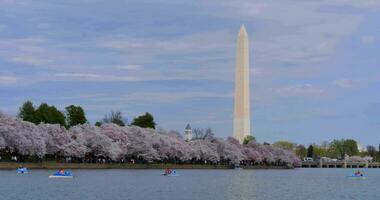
(188, 126)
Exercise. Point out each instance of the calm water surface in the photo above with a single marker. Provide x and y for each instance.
(303, 184)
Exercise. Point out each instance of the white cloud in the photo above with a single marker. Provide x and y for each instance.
(93, 77)
(295, 33)
(367, 39)
(6, 80)
(152, 98)
(199, 43)
(167, 97)
(371, 4)
(346, 83)
(303, 90)
(130, 67)
(29, 50)
(30, 60)
(299, 33)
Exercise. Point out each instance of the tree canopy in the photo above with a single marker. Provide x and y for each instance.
(285, 145)
(49, 115)
(75, 115)
(115, 117)
(27, 112)
(342, 147)
(248, 139)
(301, 151)
(351, 147)
(144, 121)
(310, 151)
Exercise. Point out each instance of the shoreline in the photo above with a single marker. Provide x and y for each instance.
(57, 165)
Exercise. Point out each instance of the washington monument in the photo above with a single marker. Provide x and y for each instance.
(242, 116)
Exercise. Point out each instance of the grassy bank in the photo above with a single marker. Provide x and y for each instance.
(57, 165)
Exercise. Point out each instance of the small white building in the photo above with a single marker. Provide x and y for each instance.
(188, 133)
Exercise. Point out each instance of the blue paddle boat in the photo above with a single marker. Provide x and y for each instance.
(357, 176)
(22, 170)
(170, 173)
(61, 174)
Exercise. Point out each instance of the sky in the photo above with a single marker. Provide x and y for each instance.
(315, 73)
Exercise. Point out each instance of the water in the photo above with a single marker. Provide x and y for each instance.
(305, 184)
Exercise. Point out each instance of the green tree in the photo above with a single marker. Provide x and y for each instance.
(50, 115)
(115, 117)
(337, 146)
(75, 115)
(310, 151)
(343, 147)
(319, 151)
(248, 139)
(285, 145)
(27, 112)
(98, 123)
(351, 147)
(144, 121)
(371, 150)
(301, 151)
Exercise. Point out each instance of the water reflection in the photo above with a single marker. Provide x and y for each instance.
(242, 185)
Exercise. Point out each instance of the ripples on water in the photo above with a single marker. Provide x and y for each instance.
(303, 184)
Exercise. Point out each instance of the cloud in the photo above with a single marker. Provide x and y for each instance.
(7, 80)
(93, 77)
(347, 83)
(130, 67)
(200, 56)
(167, 97)
(30, 60)
(28, 50)
(371, 4)
(199, 46)
(161, 97)
(367, 39)
(303, 90)
(310, 113)
(299, 33)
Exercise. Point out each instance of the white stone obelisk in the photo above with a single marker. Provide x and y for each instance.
(242, 117)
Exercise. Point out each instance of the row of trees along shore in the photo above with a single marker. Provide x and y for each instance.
(75, 115)
(33, 136)
(337, 149)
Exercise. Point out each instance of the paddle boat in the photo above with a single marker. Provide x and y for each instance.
(237, 167)
(169, 172)
(61, 174)
(22, 170)
(357, 176)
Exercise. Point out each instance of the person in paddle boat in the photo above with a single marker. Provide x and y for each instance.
(61, 172)
(358, 173)
(167, 171)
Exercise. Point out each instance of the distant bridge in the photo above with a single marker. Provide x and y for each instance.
(339, 164)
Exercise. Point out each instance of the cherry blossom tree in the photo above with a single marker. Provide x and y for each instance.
(114, 142)
(22, 137)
